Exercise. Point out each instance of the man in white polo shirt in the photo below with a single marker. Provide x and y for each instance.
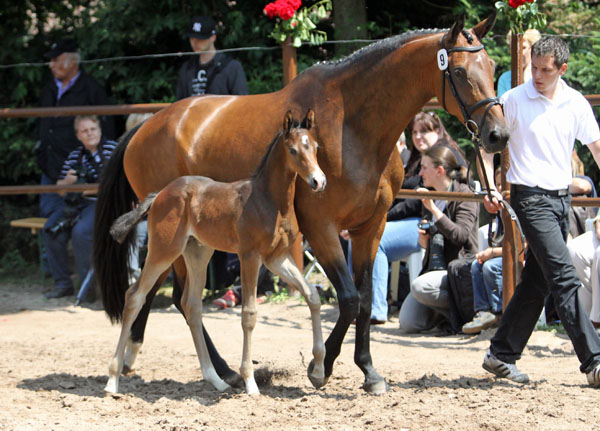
(545, 117)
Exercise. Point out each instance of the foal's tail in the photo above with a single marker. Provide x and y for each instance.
(111, 259)
(124, 224)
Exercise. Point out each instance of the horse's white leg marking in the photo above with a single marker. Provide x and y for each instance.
(249, 266)
(131, 351)
(289, 272)
(196, 258)
(135, 298)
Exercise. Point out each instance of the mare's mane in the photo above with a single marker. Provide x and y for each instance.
(263, 161)
(377, 50)
(374, 52)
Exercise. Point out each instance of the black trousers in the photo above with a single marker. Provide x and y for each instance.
(548, 268)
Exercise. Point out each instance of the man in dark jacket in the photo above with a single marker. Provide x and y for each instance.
(69, 86)
(209, 72)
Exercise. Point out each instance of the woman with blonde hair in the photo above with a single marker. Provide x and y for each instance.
(530, 37)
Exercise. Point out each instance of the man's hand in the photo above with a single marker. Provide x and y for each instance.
(494, 205)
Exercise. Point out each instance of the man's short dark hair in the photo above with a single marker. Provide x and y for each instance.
(552, 46)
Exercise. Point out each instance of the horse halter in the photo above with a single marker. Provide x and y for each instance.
(443, 63)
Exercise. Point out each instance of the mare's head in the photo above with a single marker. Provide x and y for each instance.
(467, 76)
(302, 150)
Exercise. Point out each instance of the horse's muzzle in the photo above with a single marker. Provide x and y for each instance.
(317, 181)
(496, 139)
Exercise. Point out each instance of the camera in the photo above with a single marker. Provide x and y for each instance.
(425, 225)
(70, 214)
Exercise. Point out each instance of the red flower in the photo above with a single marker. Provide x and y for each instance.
(284, 9)
(516, 3)
(286, 12)
(271, 10)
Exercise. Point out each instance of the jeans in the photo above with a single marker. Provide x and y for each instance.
(487, 285)
(81, 237)
(545, 223)
(400, 238)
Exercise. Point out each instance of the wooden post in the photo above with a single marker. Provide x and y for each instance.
(511, 266)
(290, 70)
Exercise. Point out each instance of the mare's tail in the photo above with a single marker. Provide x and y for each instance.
(124, 224)
(111, 259)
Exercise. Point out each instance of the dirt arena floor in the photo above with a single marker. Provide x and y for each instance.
(54, 359)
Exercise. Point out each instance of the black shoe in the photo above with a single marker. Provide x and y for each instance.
(59, 293)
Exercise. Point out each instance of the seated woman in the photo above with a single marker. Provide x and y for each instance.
(74, 218)
(585, 253)
(452, 231)
(400, 237)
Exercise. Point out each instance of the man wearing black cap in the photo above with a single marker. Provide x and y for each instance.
(209, 72)
(69, 86)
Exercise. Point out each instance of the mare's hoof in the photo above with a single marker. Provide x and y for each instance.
(316, 381)
(126, 370)
(233, 379)
(376, 386)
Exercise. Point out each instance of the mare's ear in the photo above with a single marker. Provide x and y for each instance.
(309, 120)
(485, 26)
(288, 122)
(455, 30)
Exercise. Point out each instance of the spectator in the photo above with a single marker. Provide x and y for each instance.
(403, 149)
(486, 274)
(209, 72)
(585, 253)
(447, 231)
(400, 237)
(70, 86)
(74, 218)
(544, 116)
(530, 37)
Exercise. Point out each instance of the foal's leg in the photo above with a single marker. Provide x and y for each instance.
(135, 298)
(196, 259)
(285, 267)
(223, 370)
(134, 344)
(249, 266)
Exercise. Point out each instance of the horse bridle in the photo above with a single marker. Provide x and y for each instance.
(474, 129)
(466, 111)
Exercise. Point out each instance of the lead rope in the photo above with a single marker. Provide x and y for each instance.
(495, 238)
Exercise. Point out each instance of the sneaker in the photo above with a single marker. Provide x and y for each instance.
(59, 293)
(503, 369)
(226, 301)
(593, 377)
(482, 320)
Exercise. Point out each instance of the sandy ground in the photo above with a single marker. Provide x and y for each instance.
(54, 359)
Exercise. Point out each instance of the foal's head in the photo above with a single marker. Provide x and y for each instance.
(302, 150)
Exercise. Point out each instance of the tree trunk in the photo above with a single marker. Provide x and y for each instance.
(350, 21)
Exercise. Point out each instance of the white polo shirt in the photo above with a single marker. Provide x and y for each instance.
(543, 133)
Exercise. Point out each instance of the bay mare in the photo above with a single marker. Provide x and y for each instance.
(363, 103)
(254, 217)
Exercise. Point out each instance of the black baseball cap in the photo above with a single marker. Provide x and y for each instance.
(60, 46)
(202, 27)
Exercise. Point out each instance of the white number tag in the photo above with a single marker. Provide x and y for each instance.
(442, 59)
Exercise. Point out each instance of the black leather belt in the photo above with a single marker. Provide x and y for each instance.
(538, 190)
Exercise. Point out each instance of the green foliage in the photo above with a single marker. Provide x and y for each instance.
(302, 26)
